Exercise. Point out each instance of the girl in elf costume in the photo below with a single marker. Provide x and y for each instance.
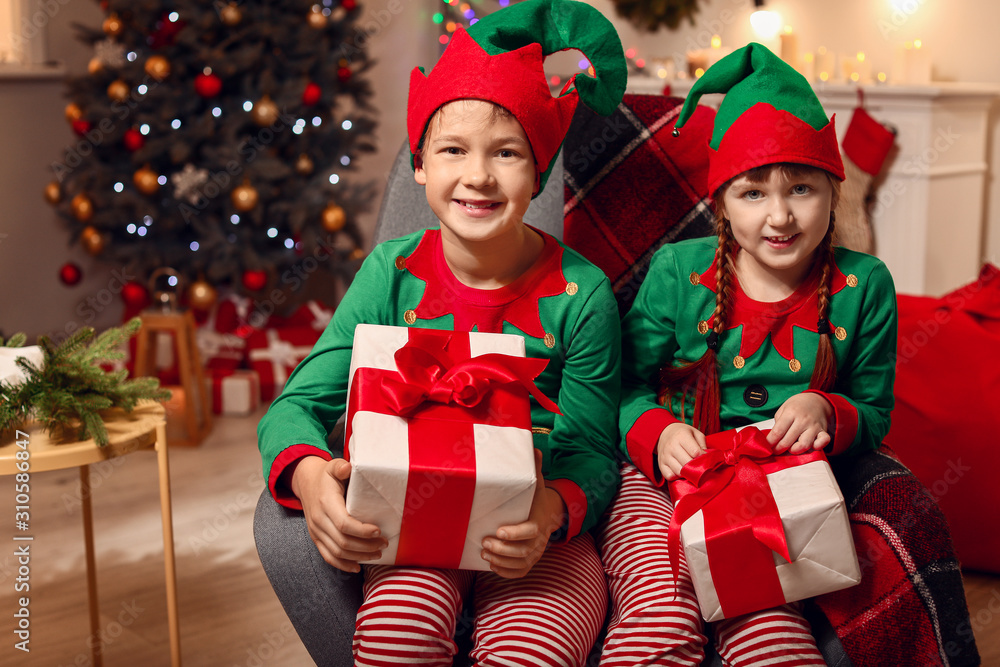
(484, 131)
(768, 320)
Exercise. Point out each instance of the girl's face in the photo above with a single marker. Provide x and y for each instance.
(779, 222)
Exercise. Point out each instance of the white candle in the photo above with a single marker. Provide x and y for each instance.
(863, 68)
(918, 71)
(790, 47)
(826, 65)
(900, 62)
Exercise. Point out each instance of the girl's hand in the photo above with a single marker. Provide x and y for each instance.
(342, 540)
(678, 444)
(801, 424)
(515, 549)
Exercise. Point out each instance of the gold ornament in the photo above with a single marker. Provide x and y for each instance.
(73, 112)
(146, 180)
(356, 254)
(95, 65)
(118, 90)
(231, 14)
(201, 295)
(245, 197)
(53, 194)
(113, 25)
(333, 218)
(92, 240)
(158, 67)
(304, 165)
(82, 207)
(316, 19)
(264, 112)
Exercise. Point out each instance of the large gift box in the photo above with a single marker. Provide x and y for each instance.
(759, 530)
(439, 438)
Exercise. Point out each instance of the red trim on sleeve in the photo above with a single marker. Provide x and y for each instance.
(845, 417)
(279, 488)
(642, 439)
(576, 505)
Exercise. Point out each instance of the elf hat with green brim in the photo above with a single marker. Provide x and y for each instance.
(770, 114)
(499, 59)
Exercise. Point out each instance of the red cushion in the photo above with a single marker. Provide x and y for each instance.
(944, 426)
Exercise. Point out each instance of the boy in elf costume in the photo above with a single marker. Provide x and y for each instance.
(768, 320)
(484, 131)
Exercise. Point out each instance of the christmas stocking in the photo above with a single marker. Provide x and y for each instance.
(865, 146)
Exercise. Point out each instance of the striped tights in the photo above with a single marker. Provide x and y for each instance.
(552, 616)
(649, 626)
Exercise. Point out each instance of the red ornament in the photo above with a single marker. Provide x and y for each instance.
(135, 295)
(207, 85)
(254, 281)
(133, 139)
(348, 4)
(311, 95)
(166, 31)
(70, 274)
(344, 73)
(81, 126)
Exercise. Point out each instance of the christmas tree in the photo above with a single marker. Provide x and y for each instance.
(217, 139)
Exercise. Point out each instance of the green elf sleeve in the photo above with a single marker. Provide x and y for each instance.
(315, 396)
(583, 468)
(648, 343)
(862, 398)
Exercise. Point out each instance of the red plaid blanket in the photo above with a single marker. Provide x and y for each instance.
(630, 187)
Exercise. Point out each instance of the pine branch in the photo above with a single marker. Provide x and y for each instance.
(70, 389)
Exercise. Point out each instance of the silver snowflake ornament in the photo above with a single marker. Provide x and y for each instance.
(188, 182)
(110, 52)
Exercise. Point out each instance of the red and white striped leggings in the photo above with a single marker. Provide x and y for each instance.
(649, 625)
(551, 616)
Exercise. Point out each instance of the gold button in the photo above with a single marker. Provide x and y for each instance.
(572, 288)
(400, 262)
(739, 361)
(703, 327)
(795, 365)
(852, 280)
(695, 278)
(840, 333)
(409, 317)
(550, 340)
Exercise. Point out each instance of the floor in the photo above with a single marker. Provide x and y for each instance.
(229, 614)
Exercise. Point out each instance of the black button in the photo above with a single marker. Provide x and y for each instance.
(755, 395)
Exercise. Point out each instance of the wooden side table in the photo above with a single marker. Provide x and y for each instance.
(143, 428)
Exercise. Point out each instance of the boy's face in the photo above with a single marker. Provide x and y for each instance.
(478, 171)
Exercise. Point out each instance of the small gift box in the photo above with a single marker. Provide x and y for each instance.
(759, 530)
(234, 392)
(439, 438)
(274, 354)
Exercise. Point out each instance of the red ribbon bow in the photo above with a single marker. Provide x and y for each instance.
(425, 377)
(714, 472)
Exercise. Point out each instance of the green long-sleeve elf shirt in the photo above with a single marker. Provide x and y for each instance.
(767, 352)
(562, 306)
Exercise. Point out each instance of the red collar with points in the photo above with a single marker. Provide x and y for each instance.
(486, 310)
(761, 319)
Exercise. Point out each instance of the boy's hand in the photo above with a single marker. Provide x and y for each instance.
(516, 549)
(678, 444)
(342, 540)
(801, 424)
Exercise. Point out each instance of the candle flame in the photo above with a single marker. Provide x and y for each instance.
(716, 42)
(917, 43)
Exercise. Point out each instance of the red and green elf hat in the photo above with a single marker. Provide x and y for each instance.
(499, 59)
(770, 114)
